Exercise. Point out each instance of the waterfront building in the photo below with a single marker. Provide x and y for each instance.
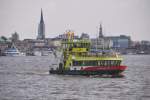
(145, 46)
(56, 42)
(3, 47)
(101, 31)
(15, 37)
(34, 45)
(41, 28)
(39, 43)
(120, 42)
(144, 42)
(101, 42)
(4, 44)
(3, 39)
(22, 46)
(64, 37)
(84, 36)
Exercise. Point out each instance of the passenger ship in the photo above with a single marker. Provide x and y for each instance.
(79, 59)
(13, 51)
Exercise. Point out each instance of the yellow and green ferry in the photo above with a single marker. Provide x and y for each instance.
(79, 59)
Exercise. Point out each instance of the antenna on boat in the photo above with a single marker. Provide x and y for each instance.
(96, 41)
(103, 44)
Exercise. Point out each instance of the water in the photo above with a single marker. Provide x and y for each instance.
(27, 78)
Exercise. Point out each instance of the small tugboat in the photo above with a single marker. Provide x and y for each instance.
(79, 59)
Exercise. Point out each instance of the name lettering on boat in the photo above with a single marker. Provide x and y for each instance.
(79, 50)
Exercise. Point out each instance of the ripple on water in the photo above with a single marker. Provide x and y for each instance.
(27, 78)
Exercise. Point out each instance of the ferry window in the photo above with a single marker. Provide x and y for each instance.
(108, 63)
(74, 63)
(102, 63)
(94, 63)
(85, 63)
(88, 63)
(105, 63)
(112, 63)
(79, 63)
(82, 45)
(115, 63)
(75, 68)
(118, 62)
(75, 45)
(98, 63)
(91, 63)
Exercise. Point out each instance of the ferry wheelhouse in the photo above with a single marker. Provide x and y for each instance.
(79, 59)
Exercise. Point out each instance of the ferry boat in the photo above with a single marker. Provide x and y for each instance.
(79, 59)
(13, 51)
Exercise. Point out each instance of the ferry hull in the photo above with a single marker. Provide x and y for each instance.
(115, 70)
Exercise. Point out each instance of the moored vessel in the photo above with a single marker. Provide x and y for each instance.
(13, 51)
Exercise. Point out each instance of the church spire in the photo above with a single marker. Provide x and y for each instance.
(100, 31)
(41, 28)
(41, 16)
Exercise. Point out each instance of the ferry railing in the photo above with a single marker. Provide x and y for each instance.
(99, 57)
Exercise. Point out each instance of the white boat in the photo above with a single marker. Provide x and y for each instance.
(47, 52)
(37, 53)
(43, 52)
(13, 51)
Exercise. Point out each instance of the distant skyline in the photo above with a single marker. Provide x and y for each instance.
(128, 17)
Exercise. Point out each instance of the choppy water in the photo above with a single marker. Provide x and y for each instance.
(27, 78)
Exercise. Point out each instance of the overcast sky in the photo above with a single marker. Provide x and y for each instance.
(129, 17)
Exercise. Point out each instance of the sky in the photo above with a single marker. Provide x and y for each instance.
(128, 17)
